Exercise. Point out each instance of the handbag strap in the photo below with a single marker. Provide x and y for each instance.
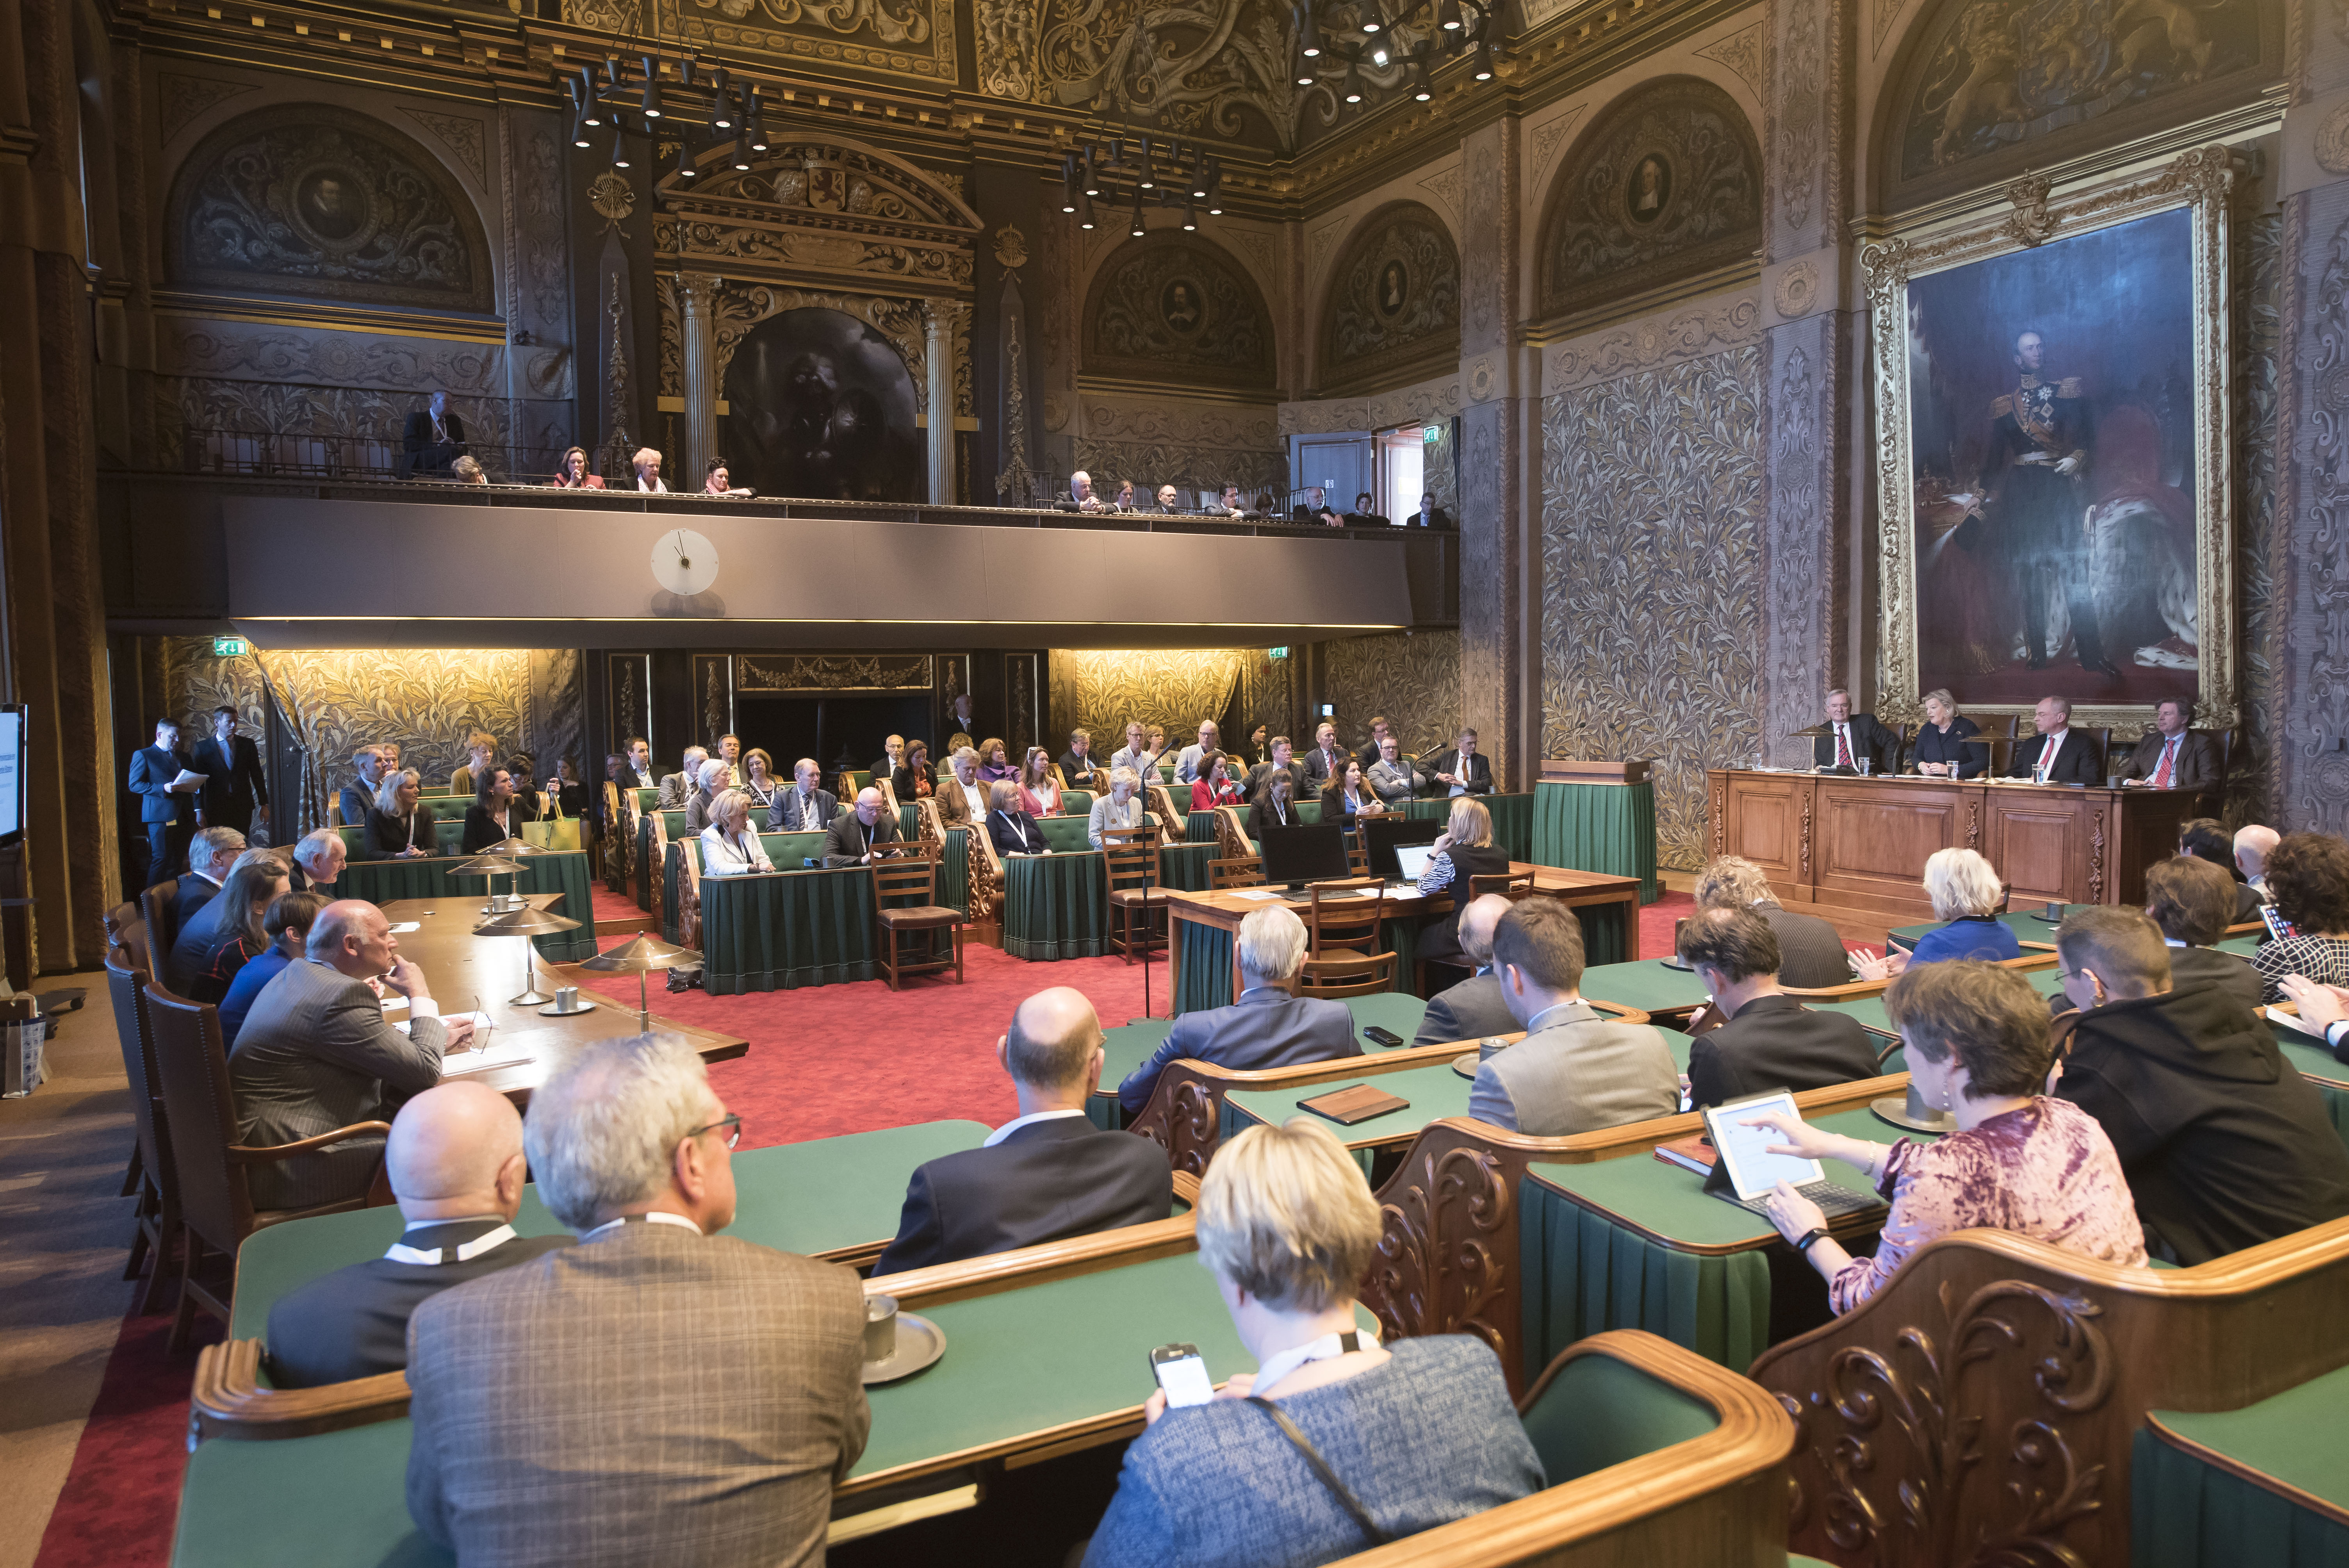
(1320, 1467)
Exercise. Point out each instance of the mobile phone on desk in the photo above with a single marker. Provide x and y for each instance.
(2278, 926)
(1182, 1372)
(1386, 1038)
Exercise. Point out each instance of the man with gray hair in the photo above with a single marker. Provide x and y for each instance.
(316, 1054)
(2056, 755)
(319, 861)
(658, 1393)
(1267, 1027)
(807, 806)
(1081, 492)
(211, 854)
(710, 780)
(678, 787)
(1474, 1008)
(851, 840)
(356, 798)
(1045, 1175)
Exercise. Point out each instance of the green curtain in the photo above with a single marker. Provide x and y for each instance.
(384, 882)
(1055, 906)
(1583, 1273)
(784, 932)
(1608, 828)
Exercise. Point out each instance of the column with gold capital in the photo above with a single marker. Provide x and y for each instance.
(943, 316)
(697, 304)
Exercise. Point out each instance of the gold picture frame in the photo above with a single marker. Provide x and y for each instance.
(2037, 212)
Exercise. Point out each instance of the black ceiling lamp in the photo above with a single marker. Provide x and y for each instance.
(619, 145)
(1386, 46)
(721, 102)
(685, 169)
(651, 108)
(741, 152)
(1137, 228)
(583, 93)
(1085, 211)
(754, 116)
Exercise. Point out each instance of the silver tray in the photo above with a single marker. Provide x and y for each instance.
(920, 1342)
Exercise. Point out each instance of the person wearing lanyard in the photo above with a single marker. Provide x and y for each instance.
(1013, 830)
(455, 1163)
(849, 841)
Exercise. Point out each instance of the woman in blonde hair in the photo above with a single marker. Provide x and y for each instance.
(1410, 1437)
(1967, 895)
(1464, 850)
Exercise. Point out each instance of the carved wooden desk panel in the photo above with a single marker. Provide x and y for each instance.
(1862, 843)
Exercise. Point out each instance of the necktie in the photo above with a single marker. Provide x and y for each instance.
(1843, 745)
(2161, 774)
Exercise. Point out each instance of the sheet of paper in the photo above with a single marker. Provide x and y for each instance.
(481, 1020)
(1258, 893)
(187, 776)
(503, 1053)
(2294, 1021)
(405, 926)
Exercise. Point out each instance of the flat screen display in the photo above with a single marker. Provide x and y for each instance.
(1381, 835)
(1305, 852)
(12, 773)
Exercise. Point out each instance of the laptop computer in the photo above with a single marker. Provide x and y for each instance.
(1412, 860)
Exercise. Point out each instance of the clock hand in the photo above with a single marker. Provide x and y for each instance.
(680, 548)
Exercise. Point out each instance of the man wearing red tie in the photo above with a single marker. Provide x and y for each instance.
(2058, 754)
(1853, 738)
(2171, 756)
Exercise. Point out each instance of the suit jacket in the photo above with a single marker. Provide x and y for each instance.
(388, 836)
(1086, 772)
(1319, 767)
(1303, 789)
(1047, 1182)
(153, 769)
(697, 809)
(1468, 1011)
(482, 830)
(353, 1323)
(651, 1396)
(675, 789)
(1145, 763)
(1479, 771)
(1186, 764)
(784, 815)
(194, 892)
(1971, 760)
(1267, 1027)
(1868, 739)
(2191, 966)
(954, 805)
(357, 801)
(1015, 833)
(1578, 1073)
(417, 436)
(1774, 1043)
(1394, 781)
(725, 857)
(1810, 953)
(191, 946)
(1438, 518)
(315, 1055)
(234, 780)
(2196, 766)
(1107, 813)
(2078, 762)
(847, 837)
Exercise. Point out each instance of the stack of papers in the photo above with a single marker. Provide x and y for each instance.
(2293, 1020)
(1257, 893)
(482, 1021)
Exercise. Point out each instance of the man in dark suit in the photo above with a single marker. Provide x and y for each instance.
(1327, 759)
(235, 790)
(1811, 952)
(1770, 1040)
(1362, 516)
(658, 1393)
(2070, 757)
(1428, 515)
(1463, 771)
(640, 775)
(1380, 733)
(1853, 738)
(316, 1053)
(2204, 839)
(434, 439)
(211, 854)
(1267, 1027)
(359, 797)
(1280, 755)
(1474, 1008)
(2031, 479)
(849, 841)
(455, 1163)
(2192, 901)
(1079, 769)
(168, 812)
(2170, 757)
(805, 807)
(1049, 1174)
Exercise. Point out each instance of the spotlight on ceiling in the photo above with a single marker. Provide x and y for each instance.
(1190, 216)
(1379, 56)
(1085, 211)
(619, 145)
(1352, 88)
(1090, 183)
(652, 105)
(755, 117)
(1420, 91)
(1308, 33)
(1137, 228)
(1447, 14)
(1481, 62)
(742, 151)
(721, 103)
(685, 169)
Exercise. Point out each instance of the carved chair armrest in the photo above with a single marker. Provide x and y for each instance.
(245, 1155)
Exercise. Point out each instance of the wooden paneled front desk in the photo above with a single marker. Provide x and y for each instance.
(1861, 843)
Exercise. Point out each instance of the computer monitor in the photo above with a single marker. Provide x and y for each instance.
(1303, 852)
(12, 773)
(1382, 834)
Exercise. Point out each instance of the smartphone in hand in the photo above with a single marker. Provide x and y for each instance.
(2278, 926)
(1182, 1371)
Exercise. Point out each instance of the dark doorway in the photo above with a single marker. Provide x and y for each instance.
(831, 728)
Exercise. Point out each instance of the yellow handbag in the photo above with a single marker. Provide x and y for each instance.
(555, 832)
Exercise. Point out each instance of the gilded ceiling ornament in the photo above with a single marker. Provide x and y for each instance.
(2032, 223)
(1010, 247)
(614, 198)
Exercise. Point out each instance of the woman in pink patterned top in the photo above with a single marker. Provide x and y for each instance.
(1976, 1036)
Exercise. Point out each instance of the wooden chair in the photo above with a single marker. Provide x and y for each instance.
(1241, 871)
(1354, 974)
(156, 904)
(155, 1222)
(1345, 920)
(216, 1209)
(1232, 837)
(2102, 736)
(1510, 885)
(126, 933)
(912, 873)
(1130, 856)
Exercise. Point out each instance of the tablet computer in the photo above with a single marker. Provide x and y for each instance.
(1751, 1170)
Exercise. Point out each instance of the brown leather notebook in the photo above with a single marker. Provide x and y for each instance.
(1356, 1102)
(1695, 1152)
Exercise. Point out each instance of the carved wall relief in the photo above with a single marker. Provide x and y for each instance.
(905, 37)
(1191, 445)
(1983, 78)
(1175, 302)
(308, 199)
(1668, 184)
(1393, 305)
(1219, 68)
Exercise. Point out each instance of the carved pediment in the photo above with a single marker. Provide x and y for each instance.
(820, 208)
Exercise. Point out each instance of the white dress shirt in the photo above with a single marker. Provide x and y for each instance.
(2055, 743)
(1016, 1123)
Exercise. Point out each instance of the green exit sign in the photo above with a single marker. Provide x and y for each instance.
(228, 647)
(1280, 652)
(1431, 435)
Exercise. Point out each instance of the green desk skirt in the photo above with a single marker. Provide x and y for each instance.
(2188, 1512)
(1206, 955)
(1055, 906)
(1587, 1268)
(785, 931)
(385, 882)
(1608, 828)
(1183, 867)
(2317, 1064)
(646, 866)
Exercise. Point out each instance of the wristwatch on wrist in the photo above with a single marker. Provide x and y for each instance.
(1803, 1245)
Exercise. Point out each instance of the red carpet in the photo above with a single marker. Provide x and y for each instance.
(823, 1061)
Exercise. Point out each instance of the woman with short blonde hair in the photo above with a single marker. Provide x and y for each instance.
(1423, 1433)
(1967, 896)
(728, 847)
(1463, 851)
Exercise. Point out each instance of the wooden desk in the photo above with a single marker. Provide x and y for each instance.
(471, 973)
(1862, 843)
(1221, 913)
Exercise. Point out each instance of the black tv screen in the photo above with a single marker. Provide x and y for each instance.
(1304, 853)
(1382, 834)
(12, 773)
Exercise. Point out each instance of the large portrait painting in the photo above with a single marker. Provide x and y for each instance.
(822, 407)
(2054, 482)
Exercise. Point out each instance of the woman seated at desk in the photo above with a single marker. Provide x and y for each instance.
(1276, 800)
(1012, 830)
(758, 778)
(1966, 895)
(1944, 746)
(2021, 1160)
(1419, 1433)
(398, 825)
(995, 762)
(494, 816)
(1347, 797)
(730, 846)
(912, 778)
